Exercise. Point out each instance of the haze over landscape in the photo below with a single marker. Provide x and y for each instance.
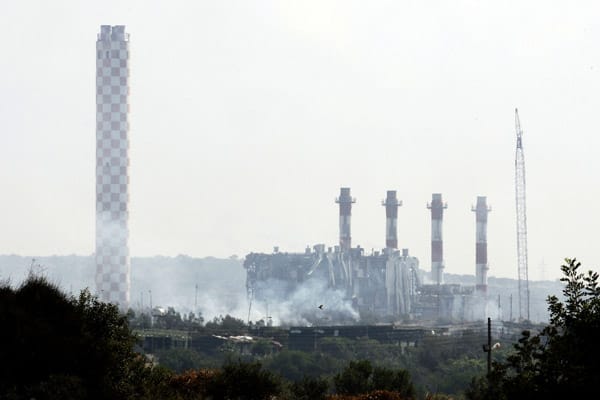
(246, 118)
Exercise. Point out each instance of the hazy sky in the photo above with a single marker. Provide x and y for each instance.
(248, 116)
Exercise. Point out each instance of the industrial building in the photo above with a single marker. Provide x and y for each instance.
(112, 166)
(388, 284)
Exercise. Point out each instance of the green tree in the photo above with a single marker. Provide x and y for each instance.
(563, 360)
(54, 346)
(179, 360)
(227, 323)
(398, 381)
(360, 377)
(354, 379)
(310, 388)
(293, 365)
(245, 381)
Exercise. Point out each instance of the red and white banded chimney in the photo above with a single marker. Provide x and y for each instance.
(345, 201)
(437, 245)
(481, 259)
(391, 204)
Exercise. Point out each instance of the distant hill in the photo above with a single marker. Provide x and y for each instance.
(171, 282)
(505, 288)
(168, 281)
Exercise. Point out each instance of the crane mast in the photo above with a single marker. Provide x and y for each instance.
(521, 223)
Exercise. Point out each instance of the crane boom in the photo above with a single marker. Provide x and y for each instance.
(521, 223)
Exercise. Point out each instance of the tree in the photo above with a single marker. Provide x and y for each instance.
(244, 381)
(54, 346)
(294, 365)
(360, 377)
(227, 323)
(394, 381)
(179, 360)
(310, 388)
(563, 360)
(354, 379)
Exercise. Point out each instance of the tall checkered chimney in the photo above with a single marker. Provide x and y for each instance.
(112, 165)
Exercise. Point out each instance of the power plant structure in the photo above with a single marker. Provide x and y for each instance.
(391, 205)
(481, 256)
(437, 244)
(387, 284)
(112, 166)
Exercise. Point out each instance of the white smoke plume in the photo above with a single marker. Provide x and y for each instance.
(300, 306)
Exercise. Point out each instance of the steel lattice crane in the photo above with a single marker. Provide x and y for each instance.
(521, 223)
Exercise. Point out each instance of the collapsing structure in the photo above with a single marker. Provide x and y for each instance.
(386, 284)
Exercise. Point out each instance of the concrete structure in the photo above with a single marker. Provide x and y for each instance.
(112, 165)
(401, 282)
(481, 259)
(345, 201)
(391, 205)
(387, 285)
(437, 245)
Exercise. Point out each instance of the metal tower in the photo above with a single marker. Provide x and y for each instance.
(521, 223)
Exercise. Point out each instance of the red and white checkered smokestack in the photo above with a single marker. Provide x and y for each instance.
(437, 245)
(391, 204)
(345, 201)
(481, 259)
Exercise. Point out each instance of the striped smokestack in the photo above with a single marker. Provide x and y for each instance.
(481, 259)
(437, 245)
(345, 201)
(391, 204)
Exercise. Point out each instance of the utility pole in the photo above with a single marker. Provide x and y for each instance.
(487, 348)
(489, 354)
(499, 309)
(521, 223)
(150, 294)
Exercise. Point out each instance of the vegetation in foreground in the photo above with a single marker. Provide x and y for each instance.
(562, 361)
(60, 347)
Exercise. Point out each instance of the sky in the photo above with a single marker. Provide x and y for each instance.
(248, 116)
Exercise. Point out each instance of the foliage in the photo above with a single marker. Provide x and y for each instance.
(563, 360)
(139, 320)
(179, 360)
(360, 377)
(295, 365)
(310, 388)
(54, 346)
(434, 351)
(374, 395)
(354, 379)
(227, 323)
(393, 380)
(245, 381)
(262, 348)
(456, 374)
(193, 384)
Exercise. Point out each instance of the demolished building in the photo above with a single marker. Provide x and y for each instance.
(386, 285)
